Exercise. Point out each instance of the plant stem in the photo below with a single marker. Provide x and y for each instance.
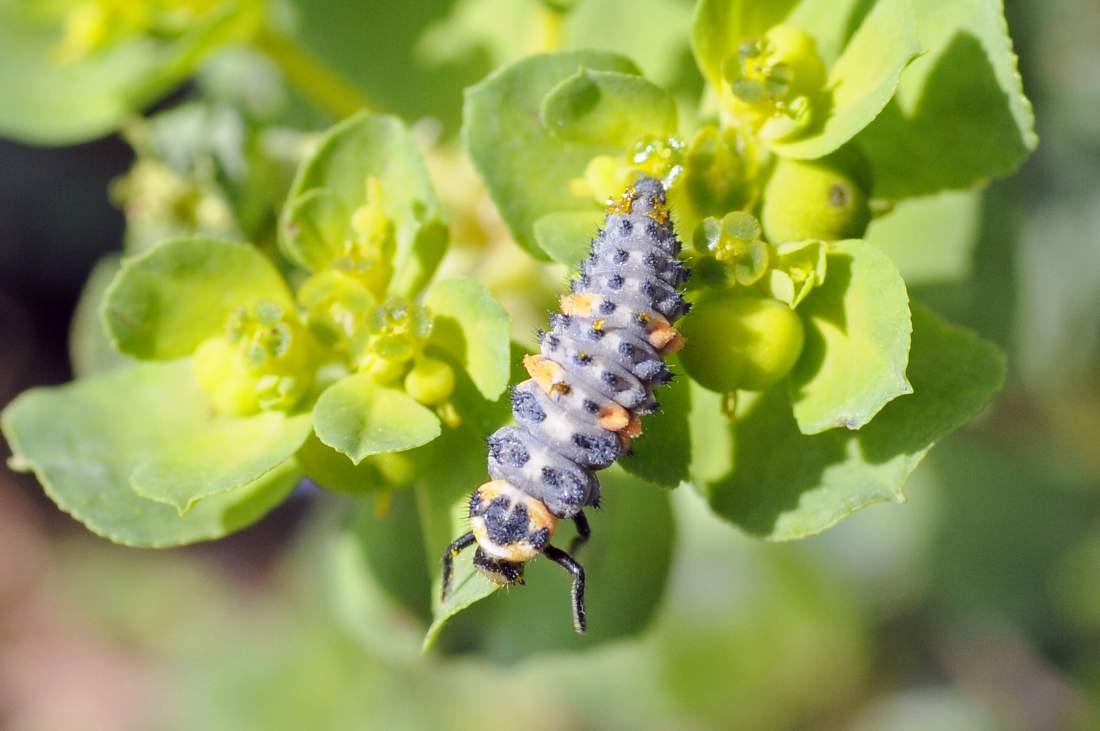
(549, 28)
(310, 75)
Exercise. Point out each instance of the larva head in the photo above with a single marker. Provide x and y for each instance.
(510, 527)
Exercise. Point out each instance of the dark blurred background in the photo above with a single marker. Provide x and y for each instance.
(975, 606)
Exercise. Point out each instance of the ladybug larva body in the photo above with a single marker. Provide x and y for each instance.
(591, 382)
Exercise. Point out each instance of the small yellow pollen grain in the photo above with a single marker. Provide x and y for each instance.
(624, 205)
(559, 389)
(659, 211)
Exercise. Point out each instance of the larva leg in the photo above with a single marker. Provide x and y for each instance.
(464, 541)
(563, 559)
(583, 533)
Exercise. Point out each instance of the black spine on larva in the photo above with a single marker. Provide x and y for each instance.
(631, 279)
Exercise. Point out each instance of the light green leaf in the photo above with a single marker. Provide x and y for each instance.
(857, 341)
(931, 239)
(662, 455)
(780, 484)
(719, 26)
(167, 300)
(371, 584)
(830, 22)
(472, 326)
(334, 471)
(359, 417)
(90, 350)
(331, 185)
(799, 267)
(419, 266)
(468, 587)
(608, 108)
(54, 101)
(526, 169)
(960, 115)
(861, 82)
(214, 455)
(567, 235)
(85, 440)
(448, 471)
(661, 27)
(315, 226)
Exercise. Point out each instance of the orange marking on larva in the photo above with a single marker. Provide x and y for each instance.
(578, 304)
(659, 211)
(613, 417)
(643, 317)
(544, 371)
(661, 333)
(675, 345)
(540, 517)
(633, 430)
(597, 326)
(492, 489)
(559, 389)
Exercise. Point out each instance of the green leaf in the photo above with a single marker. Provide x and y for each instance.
(567, 235)
(830, 22)
(359, 417)
(427, 251)
(214, 455)
(315, 226)
(526, 169)
(862, 80)
(799, 267)
(334, 471)
(608, 108)
(468, 587)
(719, 26)
(372, 585)
(54, 101)
(661, 27)
(960, 115)
(931, 239)
(448, 471)
(780, 484)
(163, 303)
(472, 326)
(85, 440)
(857, 341)
(662, 455)
(90, 350)
(332, 183)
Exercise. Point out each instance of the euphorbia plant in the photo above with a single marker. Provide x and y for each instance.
(807, 184)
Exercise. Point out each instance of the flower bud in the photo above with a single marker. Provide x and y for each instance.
(740, 342)
(774, 80)
(813, 199)
(264, 361)
(431, 381)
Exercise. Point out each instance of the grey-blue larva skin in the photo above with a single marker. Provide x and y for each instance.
(592, 380)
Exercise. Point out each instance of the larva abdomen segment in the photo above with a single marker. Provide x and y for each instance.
(600, 361)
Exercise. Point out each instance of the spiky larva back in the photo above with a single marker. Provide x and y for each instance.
(600, 361)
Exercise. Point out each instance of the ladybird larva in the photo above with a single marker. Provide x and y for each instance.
(591, 382)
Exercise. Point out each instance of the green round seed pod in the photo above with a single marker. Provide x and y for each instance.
(739, 342)
(813, 199)
(431, 381)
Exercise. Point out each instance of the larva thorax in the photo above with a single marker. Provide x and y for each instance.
(591, 381)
